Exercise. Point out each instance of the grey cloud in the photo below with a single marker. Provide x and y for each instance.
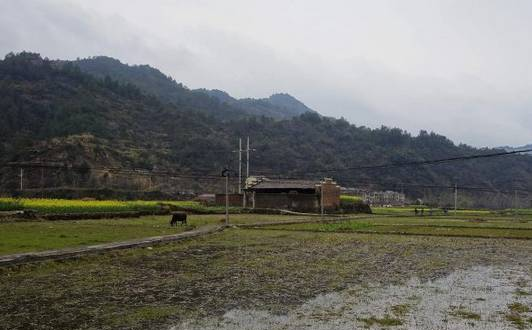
(460, 68)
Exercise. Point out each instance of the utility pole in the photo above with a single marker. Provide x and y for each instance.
(239, 165)
(322, 211)
(225, 173)
(21, 179)
(455, 198)
(515, 202)
(248, 149)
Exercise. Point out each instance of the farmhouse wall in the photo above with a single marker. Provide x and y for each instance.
(288, 201)
(331, 195)
(234, 199)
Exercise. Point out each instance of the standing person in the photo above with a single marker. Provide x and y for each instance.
(416, 212)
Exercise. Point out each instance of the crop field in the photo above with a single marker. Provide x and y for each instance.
(17, 237)
(374, 272)
(480, 227)
(410, 210)
(43, 205)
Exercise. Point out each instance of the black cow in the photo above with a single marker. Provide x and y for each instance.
(178, 217)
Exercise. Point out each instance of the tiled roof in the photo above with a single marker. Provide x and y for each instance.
(286, 184)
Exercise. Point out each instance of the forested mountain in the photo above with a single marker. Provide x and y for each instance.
(215, 102)
(279, 106)
(53, 112)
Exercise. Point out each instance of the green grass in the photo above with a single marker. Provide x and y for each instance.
(44, 205)
(410, 211)
(386, 321)
(401, 309)
(350, 198)
(36, 236)
(16, 237)
(519, 321)
(517, 307)
(465, 314)
(196, 206)
(494, 227)
(488, 222)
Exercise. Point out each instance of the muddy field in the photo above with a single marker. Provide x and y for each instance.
(281, 280)
(489, 298)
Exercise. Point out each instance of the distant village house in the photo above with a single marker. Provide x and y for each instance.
(378, 198)
(295, 195)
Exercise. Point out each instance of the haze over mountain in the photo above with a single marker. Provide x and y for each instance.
(279, 105)
(525, 147)
(219, 103)
(52, 111)
(460, 68)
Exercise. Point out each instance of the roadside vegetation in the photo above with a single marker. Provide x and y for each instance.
(353, 204)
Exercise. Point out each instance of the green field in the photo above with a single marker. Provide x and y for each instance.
(29, 236)
(410, 211)
(489, 227)
(350, 198)
(16, 237)
(273, 268)
(22, 236)
(43, 205)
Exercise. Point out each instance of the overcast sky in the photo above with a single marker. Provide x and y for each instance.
(460, 68)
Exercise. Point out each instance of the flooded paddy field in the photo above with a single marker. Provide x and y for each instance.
(280, 279)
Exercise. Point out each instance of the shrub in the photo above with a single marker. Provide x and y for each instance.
(10, 204)
(354, 204)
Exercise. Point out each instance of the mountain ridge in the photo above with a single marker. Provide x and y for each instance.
(216, 102)
(278, 105)
(525, 147)
(55, 112)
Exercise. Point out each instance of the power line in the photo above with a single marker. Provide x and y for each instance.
(418, 163)
(117, 170)
(210, 176)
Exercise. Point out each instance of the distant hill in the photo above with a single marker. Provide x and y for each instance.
(96, 127)
(525, 147)
(279, 106)
(213, 102)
